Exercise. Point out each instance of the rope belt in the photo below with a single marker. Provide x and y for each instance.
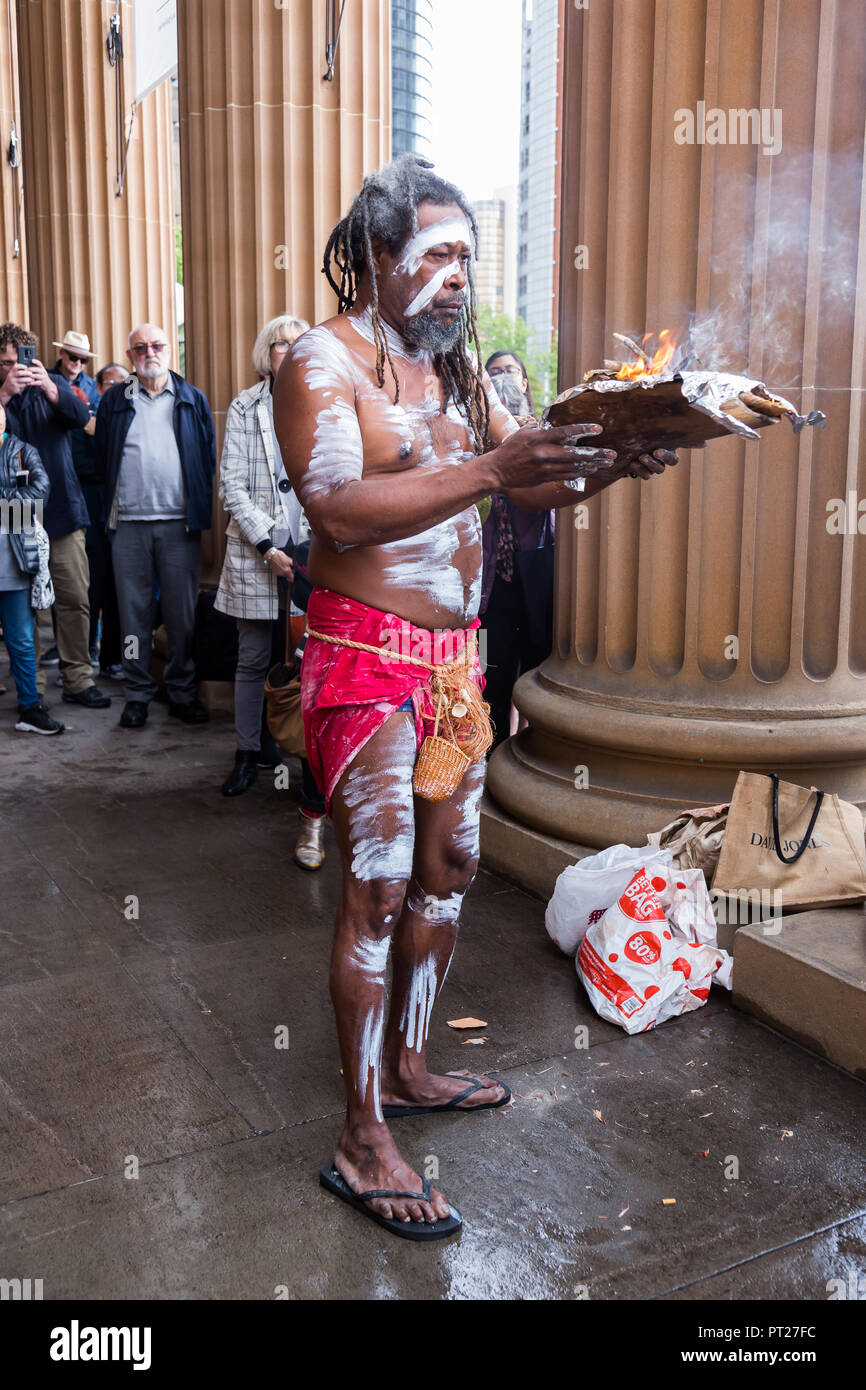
(458, 703)
(388, 655)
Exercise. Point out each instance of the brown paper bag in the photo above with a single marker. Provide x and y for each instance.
(694, 838)
(805, 848)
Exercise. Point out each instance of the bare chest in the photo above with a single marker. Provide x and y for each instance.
(416, 431)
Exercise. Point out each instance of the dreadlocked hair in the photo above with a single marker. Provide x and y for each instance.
(386, 208)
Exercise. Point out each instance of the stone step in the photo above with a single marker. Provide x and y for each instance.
(808, 981)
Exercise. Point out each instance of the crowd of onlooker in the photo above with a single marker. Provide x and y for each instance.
(106, 485)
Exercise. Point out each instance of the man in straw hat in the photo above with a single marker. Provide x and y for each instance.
(391, 433)
(75, 354)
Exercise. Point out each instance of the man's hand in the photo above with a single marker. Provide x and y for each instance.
(90, 427)
(281, 563)
(531, 456)
(39, 377)
(18, 378)
(645, 465)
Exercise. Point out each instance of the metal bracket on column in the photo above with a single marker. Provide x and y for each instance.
(114, 49)
(333, 25)
(13, 152)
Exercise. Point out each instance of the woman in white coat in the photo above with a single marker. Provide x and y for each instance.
(266, 522)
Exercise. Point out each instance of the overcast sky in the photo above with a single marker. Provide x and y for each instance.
(476, 93)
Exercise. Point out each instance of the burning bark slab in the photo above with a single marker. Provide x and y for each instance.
(646, 410)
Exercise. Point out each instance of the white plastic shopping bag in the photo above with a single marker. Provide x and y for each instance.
(585, 890)
(653, 954)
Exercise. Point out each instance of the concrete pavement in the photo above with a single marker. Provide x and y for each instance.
(155, 941)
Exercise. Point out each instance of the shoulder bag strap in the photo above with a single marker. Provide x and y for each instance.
(288, 626)
(792, 859)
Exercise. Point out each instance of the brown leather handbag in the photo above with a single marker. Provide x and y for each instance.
(283, 693)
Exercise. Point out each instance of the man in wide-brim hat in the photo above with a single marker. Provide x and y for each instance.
(75, 354)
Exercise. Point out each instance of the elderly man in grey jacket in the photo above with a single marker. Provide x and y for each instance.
(266, 522)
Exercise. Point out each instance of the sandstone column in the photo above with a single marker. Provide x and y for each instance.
(271, 155)
(13, 268)
(712, 619)
(97, 263)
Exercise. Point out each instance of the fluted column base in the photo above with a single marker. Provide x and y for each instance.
(601, 773)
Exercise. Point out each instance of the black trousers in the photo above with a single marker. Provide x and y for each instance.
(511, 650)
(103, 600)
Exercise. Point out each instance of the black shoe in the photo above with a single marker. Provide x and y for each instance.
(37, 720)
(91, 698)
(193, 712)
(269, 754)
(51, 657)
(243, 775)
(134, 715)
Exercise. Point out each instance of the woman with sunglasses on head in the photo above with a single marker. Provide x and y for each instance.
(266, 535)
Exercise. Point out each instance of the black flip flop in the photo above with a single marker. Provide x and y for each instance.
(334, 1181)
(393, 1112)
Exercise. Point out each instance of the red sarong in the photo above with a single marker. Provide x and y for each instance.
(347, 695)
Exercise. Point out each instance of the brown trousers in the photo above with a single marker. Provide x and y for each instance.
(70, 574)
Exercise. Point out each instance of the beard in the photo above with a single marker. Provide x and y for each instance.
(437, 335)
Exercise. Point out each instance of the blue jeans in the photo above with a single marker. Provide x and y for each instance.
(16, 616)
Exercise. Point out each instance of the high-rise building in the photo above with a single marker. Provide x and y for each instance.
(490, 266)
(508, 195)
(411, 75)
(540, 112)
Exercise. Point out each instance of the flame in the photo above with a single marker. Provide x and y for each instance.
(650, 365)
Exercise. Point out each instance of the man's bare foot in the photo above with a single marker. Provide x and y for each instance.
(370, 1161)
(428, 1088)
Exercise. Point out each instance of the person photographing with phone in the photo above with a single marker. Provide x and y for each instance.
(42, 410)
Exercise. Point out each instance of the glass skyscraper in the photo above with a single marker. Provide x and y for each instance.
(411, 74)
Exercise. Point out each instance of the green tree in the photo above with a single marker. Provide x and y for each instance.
(498, 332)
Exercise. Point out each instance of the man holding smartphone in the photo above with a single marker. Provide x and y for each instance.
(42, 410)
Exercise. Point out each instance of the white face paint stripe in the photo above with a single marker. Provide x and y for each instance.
(450, 230)
(431, 289)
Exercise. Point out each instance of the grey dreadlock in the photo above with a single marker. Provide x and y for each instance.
(387, 208)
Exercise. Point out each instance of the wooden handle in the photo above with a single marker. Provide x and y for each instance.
(763, 406)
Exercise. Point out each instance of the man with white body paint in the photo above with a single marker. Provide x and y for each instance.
(391, 434)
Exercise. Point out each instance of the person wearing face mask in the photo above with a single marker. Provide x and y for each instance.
(517, 579)
(266, 527)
